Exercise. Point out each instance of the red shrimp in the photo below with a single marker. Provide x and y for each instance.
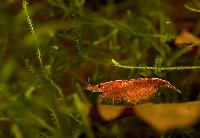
(134, 91)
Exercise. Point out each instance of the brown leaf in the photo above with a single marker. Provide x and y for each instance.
(185, 38)
(109, 113)
(162, 117)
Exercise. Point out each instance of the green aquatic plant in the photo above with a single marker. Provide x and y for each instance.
(154, 68)
(181, 52)
(31, 27)
(191, 9)
(50, 47)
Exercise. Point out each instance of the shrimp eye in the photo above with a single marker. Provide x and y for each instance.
(99, 86)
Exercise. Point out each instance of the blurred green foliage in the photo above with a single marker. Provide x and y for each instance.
(41, 83)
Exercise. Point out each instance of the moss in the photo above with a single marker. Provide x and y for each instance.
(49, 48)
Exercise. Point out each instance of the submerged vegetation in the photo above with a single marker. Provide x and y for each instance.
(49, 49)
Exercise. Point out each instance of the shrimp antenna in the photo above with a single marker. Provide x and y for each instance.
(88, 81)
(85, 83)
(78, 78)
